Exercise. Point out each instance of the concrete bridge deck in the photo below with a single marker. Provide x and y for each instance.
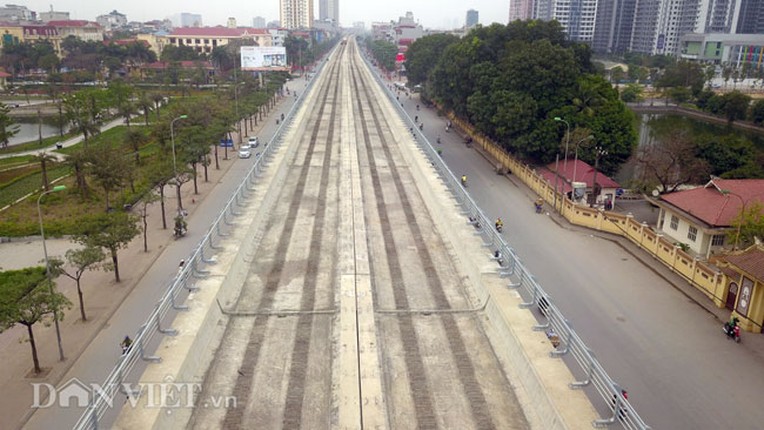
(354, 295)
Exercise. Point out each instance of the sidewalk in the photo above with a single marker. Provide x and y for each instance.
(102, 295)
(752, 341)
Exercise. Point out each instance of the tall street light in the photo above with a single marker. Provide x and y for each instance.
(47, 267)
(567, 141)
(575, 159)
(599, 152)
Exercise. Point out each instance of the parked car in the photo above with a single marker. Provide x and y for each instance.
(244, 146)
(245, 153)
(253, 141)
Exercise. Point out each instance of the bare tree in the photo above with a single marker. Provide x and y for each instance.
(671, 162)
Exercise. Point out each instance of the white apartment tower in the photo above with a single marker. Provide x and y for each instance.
(296, 14)
(520, 9)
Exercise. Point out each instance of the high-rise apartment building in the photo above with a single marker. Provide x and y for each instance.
(577, 17)
(614, 22)
(296, 14)
(472, 18)
(258, 22)
(520, 9)
(329, 10)
(750, 17)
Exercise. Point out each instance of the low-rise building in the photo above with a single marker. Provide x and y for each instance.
(744, 292)
(718, 48)
(576, 180)
(84, 30)
(702, 217)
(205, 39)
(112, 20)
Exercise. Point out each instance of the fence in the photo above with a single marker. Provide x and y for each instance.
(156, 323)
(700, 275)
(534, 296)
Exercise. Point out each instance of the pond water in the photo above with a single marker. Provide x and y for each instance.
(693, 126)
(28, 130)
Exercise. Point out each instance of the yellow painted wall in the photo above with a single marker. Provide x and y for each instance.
(699, 274)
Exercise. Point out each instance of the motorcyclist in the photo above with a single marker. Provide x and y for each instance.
(464, 180)
(438, 139)
(416, 119)
(126, 344)
(417, 107)
(499, 224)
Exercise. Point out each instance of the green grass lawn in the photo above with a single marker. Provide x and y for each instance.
(27, 184)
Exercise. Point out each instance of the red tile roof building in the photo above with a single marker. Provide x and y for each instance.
(205, 39)
(718, 202)
(702, 217)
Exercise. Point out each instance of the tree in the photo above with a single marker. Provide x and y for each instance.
(160, 174)
(172, 53)
(44, 158)
(78, 162)
(757, 112)
(26, 298)
(736, 105)
(134, 139)
(8, 127)
(110, 231)
(80, 260)
(83, 113)
(108, 168)
(120, 96)
(672, 162)
(146, 200)
(632, 93)
(748, 225)
(423, 55)
(145, 104)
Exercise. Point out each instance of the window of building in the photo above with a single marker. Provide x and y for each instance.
(718, 240)
(692, 233)
(197, 41)
(674, 222)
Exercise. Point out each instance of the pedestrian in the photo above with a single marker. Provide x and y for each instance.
(181, 266)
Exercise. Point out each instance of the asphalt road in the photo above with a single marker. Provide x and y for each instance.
(669, 352)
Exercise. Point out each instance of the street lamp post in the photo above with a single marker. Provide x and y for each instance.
(599, 152)
(575, 158)
(567, 141)
(47, 267)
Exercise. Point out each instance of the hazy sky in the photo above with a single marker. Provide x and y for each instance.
(429, 13)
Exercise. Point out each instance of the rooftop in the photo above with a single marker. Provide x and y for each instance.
(719, 201)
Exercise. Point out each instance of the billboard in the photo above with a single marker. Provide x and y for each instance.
(263, 58)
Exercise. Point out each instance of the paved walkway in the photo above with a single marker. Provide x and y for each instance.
(102, 295)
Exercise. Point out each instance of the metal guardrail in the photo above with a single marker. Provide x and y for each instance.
(194, 268)
(511, 266)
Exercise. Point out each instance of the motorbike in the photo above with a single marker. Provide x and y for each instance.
(499, 227)
(538, 206)
(179, 232)
(732, 331)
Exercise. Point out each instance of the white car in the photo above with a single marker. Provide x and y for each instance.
(253, 141)
(245, 153)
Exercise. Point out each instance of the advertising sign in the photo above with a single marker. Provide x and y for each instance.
(263, 58)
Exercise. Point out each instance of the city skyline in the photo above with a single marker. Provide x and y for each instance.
(444, 14)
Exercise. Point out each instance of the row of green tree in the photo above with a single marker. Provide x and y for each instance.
(512, 81)
(90, 60)
(101, 170)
